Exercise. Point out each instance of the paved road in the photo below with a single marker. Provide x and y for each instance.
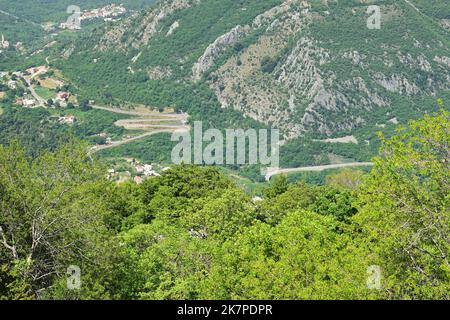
(33, 92)
(274, 171)
(19, 18)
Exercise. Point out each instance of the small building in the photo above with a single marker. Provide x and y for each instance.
(63, 95)
(67, 120)
(4, 44)
(148, 169)
(19, 46)
(70, 26)
(152, 173)
(28, 103)
(139, 169)
(138, 180)
(30, 71)
(34, 70)
(12, 84)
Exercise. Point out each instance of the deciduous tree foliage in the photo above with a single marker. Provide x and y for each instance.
(193, 234)
(405, 210)
(51, 212)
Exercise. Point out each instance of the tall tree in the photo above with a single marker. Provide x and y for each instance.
(51, 214)
(405, 210)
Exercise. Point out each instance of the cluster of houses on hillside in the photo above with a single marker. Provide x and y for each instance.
(30, 72)
(35, 70)
(30, 100)
(10, 83)
(142, 171)
(27, 102)
(107, 13)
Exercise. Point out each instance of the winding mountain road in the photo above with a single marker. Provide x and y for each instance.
(125, 141)
(147, 117)
(275, 171)
(146, 120)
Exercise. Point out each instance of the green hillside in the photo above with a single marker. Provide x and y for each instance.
(312, 69)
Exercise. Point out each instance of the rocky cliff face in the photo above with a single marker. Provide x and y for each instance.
(305, 91)
(138, 34)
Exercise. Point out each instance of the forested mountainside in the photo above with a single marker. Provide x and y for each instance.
(310, 68)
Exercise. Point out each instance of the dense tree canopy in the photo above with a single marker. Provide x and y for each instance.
(193, 234)
(405, 209)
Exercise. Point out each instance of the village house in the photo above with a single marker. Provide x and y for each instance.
(147, 169)
(105, 136)
(144, 169)
(48, 26)
(12, 84)
(4, 44)
(149, 172)
(28, 103)
(62, 95)
(69, 26)
(30, 71)
(139, 169)
(67, 120)
(138, 180)
(34, 70)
